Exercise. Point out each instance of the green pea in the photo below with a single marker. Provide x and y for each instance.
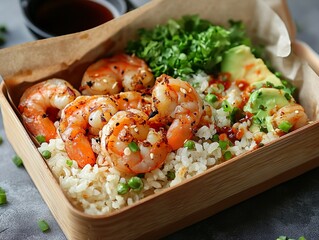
(170, 175)
(40, 138)
(46, 154)
(215, 138)
(122, 188)
(189, 144)
(135, 183)
(227, 155)
(223, 144)
(211, 98)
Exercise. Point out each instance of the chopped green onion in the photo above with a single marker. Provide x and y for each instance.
(285, 126)
(226, 106)
(189, 144)
(170, 175)
(263, 129)
(46, 154)
(69, 162)
(1, 140)
(215, 138)
(3, 29)
(227, 155)
(43, 225)
(17, 161)
(133, 146)
(262, 107)
(40, 138)
(211, 98)
(3, 196)
(223, 144)
(269, 84)
(287, 96)
(288, 238)
(278, 74)
(141, 175)
(261, 145)
(135, 183)
(122, 188)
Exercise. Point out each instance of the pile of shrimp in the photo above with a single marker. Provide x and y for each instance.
(136, 119)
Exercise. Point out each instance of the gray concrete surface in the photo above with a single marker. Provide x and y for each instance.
(290, 209)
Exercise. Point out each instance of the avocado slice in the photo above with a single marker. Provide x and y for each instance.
(242, 65)
(262, 103)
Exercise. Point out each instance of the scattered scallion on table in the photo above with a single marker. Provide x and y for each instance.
(3, 31)
(1, 140)
(17, 161)
(43, 225)
(3, 196)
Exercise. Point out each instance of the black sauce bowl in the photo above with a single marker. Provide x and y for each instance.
(51, 18)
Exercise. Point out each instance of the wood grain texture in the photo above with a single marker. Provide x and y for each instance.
(160, 214)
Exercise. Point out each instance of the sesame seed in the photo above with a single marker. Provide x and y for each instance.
(152, 155)
(126, 127)
(114, 85)
(136, 130)
(190, 90)
(127, 151)
(297, 111)
(183, 90)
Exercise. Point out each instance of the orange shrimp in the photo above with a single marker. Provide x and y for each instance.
(40, 105)
(293, 113)
(112, 75)
(127, 128)
(83, 119)
(176, 102)
(84, 116)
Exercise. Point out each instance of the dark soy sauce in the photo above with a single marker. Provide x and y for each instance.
(59, 17)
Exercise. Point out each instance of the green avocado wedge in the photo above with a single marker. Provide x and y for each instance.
(242, 65)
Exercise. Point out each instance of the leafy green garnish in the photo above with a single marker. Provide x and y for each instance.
(287, 238)
(187, 45)
(3, 31)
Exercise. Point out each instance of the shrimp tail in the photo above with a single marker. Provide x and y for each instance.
(79, 149)
(178, 133)
(43, 126)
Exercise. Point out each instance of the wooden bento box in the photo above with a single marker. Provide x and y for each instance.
(225, 184)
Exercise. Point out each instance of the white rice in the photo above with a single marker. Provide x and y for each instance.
(93, 189)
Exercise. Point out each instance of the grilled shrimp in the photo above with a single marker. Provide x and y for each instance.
(86, 116)
(131, 145)
(176, 102)
(133, 100)
(294, 114)
(40, 105)
(112, 75)
(83, 117)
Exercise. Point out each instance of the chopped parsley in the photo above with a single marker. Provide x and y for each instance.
(187, 45)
